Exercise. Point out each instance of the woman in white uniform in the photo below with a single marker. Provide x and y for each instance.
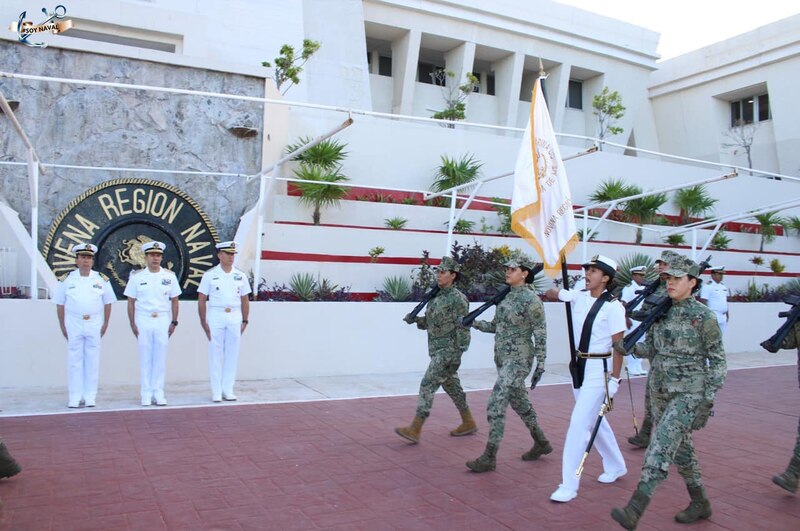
(605, 336)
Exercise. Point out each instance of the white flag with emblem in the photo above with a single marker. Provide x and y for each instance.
(541, 203)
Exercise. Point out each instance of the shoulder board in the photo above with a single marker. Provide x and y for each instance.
(136, 271)
(103, 276)
(167, 270)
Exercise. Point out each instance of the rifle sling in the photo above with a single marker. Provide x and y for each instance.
(586, 332)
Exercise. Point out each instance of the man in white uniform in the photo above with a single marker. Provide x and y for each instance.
(606, 335)
(223, 304)
(714, 294)
(83, 306)
(628, 294)
(153, 313)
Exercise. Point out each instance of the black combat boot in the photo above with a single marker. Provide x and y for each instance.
(540, 447)
(628, 516)
(788, 480)
(642, 440)
(8, 465)
(486, 462)
(698, 509)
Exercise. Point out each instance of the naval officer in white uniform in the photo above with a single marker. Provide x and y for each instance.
(224, 307)
(628, 294)
(153, 313)
(83, 306)
(714, 294)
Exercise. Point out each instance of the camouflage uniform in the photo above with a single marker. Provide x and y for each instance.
(688, 367)
(518, 317)
(447, 341)
(789, 479)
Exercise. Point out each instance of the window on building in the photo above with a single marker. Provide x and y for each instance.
(425, 73)
(490, 85)
(575, 94)
(750, 109)
(385, 66)
(477, 87)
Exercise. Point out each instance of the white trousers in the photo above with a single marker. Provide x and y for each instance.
(83, 356)
(223, 349)
(152, 343)
(584, 415)
(722, 320)
(633, 363)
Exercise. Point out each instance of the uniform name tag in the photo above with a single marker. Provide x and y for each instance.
(165, 282)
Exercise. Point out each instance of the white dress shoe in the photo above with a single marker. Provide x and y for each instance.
(74, 405)
(563, 495)
(216, 399)
(611, 477)
(161, 401)
(90, 403)
(146, 402)
(229, 398)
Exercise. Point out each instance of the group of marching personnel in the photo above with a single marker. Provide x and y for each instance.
(683, 344)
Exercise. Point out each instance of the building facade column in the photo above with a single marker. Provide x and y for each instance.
(507, 82)
(405, 56)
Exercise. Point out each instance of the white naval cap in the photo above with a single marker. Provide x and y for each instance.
(717, 269)
(603, 263)
(227, 247)
(638, 269)
(153, 247)
(84, 249)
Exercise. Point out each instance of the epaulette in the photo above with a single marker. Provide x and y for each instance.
(135, 271)
(103, 276)
(167, 270)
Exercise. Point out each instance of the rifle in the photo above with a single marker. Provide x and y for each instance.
(773, 344)
(641, 295)
(423, 301)
(659, 306)
(501, 294)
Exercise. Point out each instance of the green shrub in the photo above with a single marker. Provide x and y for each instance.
(303, 286)
(776, 266)
(375, 252)
(720, 241)
(675, 240)
(395, 223)
(397, 288)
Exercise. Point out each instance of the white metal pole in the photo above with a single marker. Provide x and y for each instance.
(453, 197)
(694, 244)
(33, 177)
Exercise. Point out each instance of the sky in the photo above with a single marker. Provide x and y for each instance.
(687, 25)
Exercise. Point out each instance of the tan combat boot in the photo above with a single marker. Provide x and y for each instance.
(698, 509)
(628, 516)
(8, 465)
(540, 447)
(642, 440)
(467, 426)
(412, 432)
(486, 462)
(788, 480)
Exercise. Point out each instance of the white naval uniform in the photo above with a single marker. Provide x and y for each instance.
(84, 300)
(153, 314)
(610, 320)
(628, 294)
(224, 318)
(717, 296)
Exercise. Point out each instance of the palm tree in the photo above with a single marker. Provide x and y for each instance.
(328, 154)
(611, 189)
(793, 224)
(452, 172)
(625, 263)
(316, 193)
(643, 211)
(693, 202)
(768, 223)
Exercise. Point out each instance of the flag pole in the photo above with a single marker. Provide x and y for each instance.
(573, 359)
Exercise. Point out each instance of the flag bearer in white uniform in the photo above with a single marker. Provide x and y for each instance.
(605, 337)
(153, 313)
(714, 294)
(223, 304)
(83, 305)
(628, 294)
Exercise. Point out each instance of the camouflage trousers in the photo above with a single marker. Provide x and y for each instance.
(442, 372)
(671, 441)
(509, 389)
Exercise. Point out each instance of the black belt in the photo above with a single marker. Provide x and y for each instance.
(594, 355)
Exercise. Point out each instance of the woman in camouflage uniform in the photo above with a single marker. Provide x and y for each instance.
(447, 341)
(789, 479)
(519, 316)
(687, 369)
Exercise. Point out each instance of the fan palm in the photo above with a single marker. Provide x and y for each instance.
(452, 172)
(316, 190)
(643, 211)
(693, 202)
(768, 221)
(625, 263)
(611, 189)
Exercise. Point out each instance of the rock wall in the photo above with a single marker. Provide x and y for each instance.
(100, 126)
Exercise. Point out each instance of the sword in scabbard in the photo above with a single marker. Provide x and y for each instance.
(633, 410)
(604, 408)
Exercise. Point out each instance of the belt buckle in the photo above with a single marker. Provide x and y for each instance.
(227, 310)
(154, 315)
(87, 317)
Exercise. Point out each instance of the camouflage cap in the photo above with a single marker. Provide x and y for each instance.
(680, 266)
(449, 264)
(520, 260)
(667, 256)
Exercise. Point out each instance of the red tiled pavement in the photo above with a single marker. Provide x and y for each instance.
(338, 465)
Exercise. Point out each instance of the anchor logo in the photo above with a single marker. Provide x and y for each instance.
(25, 28)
